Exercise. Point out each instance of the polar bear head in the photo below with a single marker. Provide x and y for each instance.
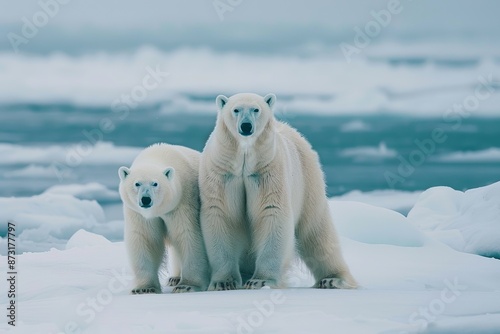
(149, 190)
(246, 115)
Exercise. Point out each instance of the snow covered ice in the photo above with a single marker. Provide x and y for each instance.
(467, 221)
(411, 280)
(95, 80)
(48, 220)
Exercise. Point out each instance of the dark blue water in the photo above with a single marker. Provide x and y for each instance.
(390, 139)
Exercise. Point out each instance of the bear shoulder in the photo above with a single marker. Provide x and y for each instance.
(299, 141)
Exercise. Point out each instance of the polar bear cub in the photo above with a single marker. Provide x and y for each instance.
(263, 195)
(161, 206)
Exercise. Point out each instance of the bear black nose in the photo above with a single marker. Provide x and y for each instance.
(146, 202)
(246, 129)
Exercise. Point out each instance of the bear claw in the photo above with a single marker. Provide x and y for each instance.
(173, 281)
(140, 291)
(331, 283)
(255, 284)
(183, 288)
(222, 286)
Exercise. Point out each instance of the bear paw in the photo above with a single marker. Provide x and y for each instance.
(181, 288)
(333, 283)
(253, 284)
(173, 281)
(140, 291)
(222, 286)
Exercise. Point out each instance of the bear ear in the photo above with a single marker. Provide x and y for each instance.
(270, 99)
(123, 172)
(169, 173)
(221, 101)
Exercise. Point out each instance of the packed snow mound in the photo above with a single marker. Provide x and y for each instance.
(467, 221)
(374, 225)
(84, 238)
(47, 221)
(89, 191)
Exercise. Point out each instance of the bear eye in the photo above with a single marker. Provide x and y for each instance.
(236, 111)
(154, 184)
(256, 110)
(137, 184)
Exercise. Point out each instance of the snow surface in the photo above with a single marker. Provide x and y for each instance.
(411, 282)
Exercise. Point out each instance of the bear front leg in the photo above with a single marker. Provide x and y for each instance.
(223, 243)
(145, 244)
(223, 228)
(174, 267)
(273, 237)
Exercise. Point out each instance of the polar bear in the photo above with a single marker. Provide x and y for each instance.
(161, 206)
(262, 196)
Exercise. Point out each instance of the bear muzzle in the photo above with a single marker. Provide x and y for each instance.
(146, 202)
(246, 129)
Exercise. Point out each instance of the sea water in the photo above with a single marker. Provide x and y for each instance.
(357, 152)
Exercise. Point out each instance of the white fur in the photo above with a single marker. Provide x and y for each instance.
(168, 174)
(262, 194)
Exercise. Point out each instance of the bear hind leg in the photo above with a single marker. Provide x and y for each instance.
(319, 248)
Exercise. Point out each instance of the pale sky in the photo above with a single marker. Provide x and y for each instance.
(122, 24)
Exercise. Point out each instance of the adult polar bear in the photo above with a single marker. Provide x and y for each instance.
(161, 204)
(263, 191)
